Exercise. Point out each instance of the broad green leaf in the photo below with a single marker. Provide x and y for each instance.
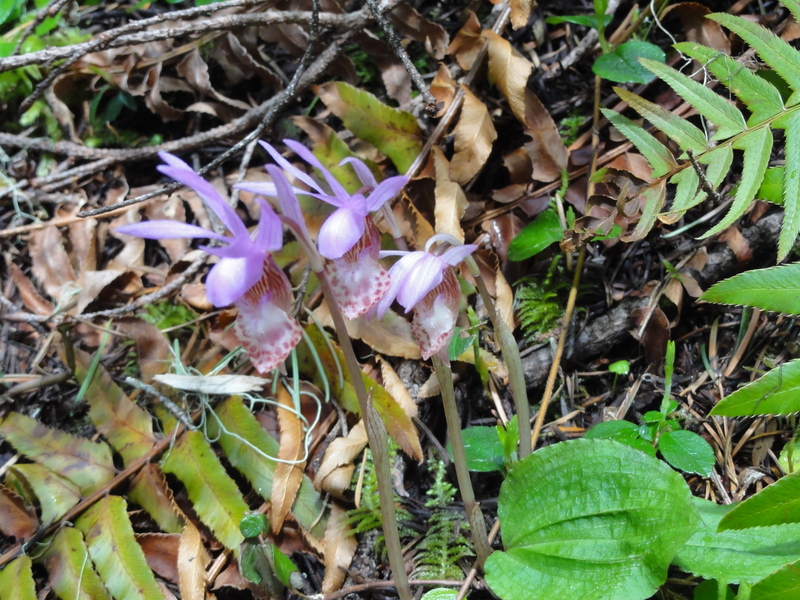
(483, 448)
(214, 495)
(776, 504)
(128, 427)
(791, 187)
(85, 463)
(119, 560)
(623, 432)
(760, 97)
(776, 393)
(245, 443)
(585, 20)
(149, 490)
(757, 146)
(771, 189)
(567, 536)
(656, 153)
(721, 113)
(709, 590)
(783, 584)
(623, 64)
(687, 451)
(72, 576)
(778, 54)
(56, 494)
(789, 458)
(774, 288)
(737, 555)
(686, 135)
(440, 593)
(393, 132)
(16, 580)
(537, 235)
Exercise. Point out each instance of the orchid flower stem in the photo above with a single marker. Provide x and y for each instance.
(516, 377)
(378, 444)
(474, 514)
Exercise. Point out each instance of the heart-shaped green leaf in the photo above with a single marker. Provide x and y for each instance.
(623, 65)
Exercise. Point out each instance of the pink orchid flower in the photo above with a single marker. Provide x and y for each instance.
(427, 284)
(348, 237)
(246, 274)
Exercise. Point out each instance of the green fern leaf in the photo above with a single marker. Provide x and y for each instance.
(686, 135)
(760, 97)
(791, 188)
(757, 145)
(56, 494)
(215, 496)
(16, 580)
(779, 55)
(656, 153)
(119, 560)
(776, 393)
(71, 575)
(725, 116)
(686, 194)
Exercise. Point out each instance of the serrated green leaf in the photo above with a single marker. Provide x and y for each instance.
(119, 560)
(16, 580)
(215, 497)
(243, 441)
(783, 584)
(537, 235)
(85, 463)
(775, 288)
(656, 153)
(779, 55)
(687, 451)
(791, 187)
(149, 490)
(394, 132)
(757, 146)
(687, 182)
(72, 576)
(725, 116)
(760, 97)
(776, 393)
(686, 135)
(776, 504)
(623, 64)
(56, 494)
(579, 540)
(737, 556)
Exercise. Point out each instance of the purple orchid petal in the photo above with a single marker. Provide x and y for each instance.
(362, 170)
(427, 275)
(307, 156)
(290, 207)
(398, 274)
(167, 230)
(290, 168)
(386, 190)
(270, 229)
(231, 278)
(453, 256)
(265, 188)
(340, 232)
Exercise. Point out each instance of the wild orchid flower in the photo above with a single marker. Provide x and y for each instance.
(427, 283)
(348, 238)
(246, 274)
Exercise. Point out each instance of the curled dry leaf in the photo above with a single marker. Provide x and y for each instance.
(51, 266)
(192, 564)
(443, 87)
(228, 385)
(396, 388)
(468, 43)
(474, 135)
(16, 519)
(394, 75)
(520, 12)
(510, 72)
(161, 552)
(450, 199)
(32, 300)
(413, 25)
(288, 475)
(698, 28)
(340, 547)
(336, 469)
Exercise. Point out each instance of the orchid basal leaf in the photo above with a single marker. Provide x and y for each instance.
(686, 135)
(71, 573)
(214, 495)
(16, 580)
(758, 95)
(774, 505)
(119, 559)
(772, 289)
(724, 115)
(776, 393)
(779, 55)
(56, 494)
(85, 463)
(791, 187)
(658, 155)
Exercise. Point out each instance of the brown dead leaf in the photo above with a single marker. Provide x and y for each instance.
(474, 135)
(504, 298)
(737, 243)
(416, 27)
(443, 87)
(171, 209)
(16, 520)
(288, 475)
(340, 547)
(520, 169)
(468, 43)
(394, 75)
(698, 28)
(51, 265)
(153, 350)
(655, 336)
(396, 388)
(336, 469)
(450, 199)
(192, 563)
(161, 552)
(32, 300)
(520, 12)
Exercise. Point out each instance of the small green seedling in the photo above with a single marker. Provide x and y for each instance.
(261, 562)
(661, 431)
(491, 448)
